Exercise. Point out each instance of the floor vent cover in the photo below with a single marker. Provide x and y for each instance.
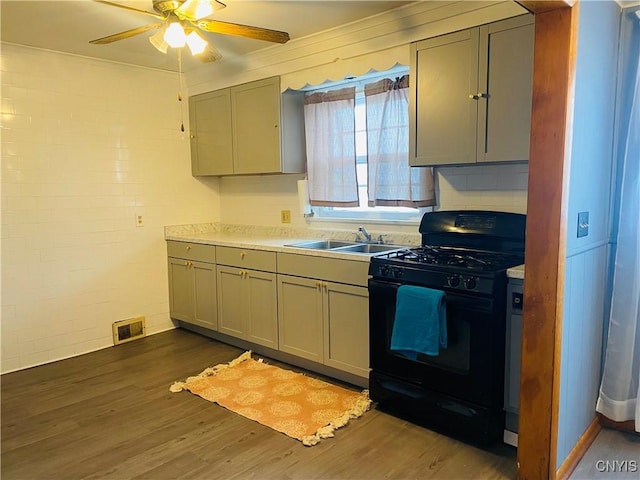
(128, 330)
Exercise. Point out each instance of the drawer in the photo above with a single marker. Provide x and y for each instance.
(246, 258)
(191, 251)
(330, 269)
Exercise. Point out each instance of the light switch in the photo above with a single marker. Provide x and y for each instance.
(583, 224)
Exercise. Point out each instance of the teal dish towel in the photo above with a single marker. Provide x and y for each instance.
(420, 324)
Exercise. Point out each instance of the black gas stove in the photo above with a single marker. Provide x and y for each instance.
(465, 255)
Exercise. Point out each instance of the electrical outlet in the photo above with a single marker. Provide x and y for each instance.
(583, 224)
(285, 216)
(139, 220)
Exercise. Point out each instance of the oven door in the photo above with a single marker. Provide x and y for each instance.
(471, 368)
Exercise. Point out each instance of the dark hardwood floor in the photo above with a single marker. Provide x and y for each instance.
(110, 415)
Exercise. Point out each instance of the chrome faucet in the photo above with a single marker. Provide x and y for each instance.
(365, 234)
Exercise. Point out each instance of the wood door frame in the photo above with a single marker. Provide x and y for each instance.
(556, 28)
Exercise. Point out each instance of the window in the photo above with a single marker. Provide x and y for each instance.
(389, 158)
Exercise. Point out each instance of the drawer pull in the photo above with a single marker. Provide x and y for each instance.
(188, 247)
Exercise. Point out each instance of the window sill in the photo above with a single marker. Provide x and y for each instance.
(361, 221)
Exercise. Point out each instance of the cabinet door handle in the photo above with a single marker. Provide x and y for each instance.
(192, 137)
(473, 96)
(188, 247)
(242, 255)
(483, 95)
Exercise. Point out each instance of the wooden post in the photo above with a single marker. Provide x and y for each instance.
(550, 155)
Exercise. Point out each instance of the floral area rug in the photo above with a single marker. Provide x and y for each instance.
(302, 407)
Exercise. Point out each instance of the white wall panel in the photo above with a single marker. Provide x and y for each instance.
(586, 274)
(87, 145)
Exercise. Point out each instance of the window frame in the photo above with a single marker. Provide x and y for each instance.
(379, 214)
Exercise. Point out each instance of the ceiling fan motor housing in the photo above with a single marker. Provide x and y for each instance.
(164, 6)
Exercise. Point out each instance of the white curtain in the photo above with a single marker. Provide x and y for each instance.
(331, 147)
(620, 385)
(391, 182)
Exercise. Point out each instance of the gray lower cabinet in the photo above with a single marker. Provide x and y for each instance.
(300, 317)
(192, 287)
(346, 328)
(324, 311)
(247, 297)
(325, 322)
(470, 95)
(316, 309)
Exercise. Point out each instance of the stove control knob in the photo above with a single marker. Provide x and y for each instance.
(384, 271)
(397, 273)
(470, 283)
(453, 281)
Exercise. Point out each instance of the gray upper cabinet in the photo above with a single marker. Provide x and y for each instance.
(211, 139)
(470, 99)
(251, 128)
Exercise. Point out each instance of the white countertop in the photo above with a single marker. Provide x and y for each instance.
(273, 244)
(516, 272)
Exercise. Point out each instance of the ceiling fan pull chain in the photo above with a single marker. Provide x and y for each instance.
(180, 89)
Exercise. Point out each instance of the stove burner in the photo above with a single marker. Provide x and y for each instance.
(449, 257)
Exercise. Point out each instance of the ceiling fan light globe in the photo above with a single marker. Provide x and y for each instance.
(196, 43)
(203, 9)
(175, 35)
(157, 40)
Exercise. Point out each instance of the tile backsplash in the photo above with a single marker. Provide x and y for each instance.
(483, 187)
(257, 200)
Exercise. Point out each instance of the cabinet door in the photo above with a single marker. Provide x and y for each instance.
(180, 290)
(262, 308)
(442, 116)
(205, 311)
(300, 317)
(346, 328)
(255, 110)
(506, 74)
(231, 300)
(211, 141)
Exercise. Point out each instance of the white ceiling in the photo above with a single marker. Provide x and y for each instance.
(69, 25)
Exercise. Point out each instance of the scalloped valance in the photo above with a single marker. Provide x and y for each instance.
(339, 69)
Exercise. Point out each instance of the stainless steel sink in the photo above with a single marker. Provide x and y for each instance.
(323, 244)
(369, 248)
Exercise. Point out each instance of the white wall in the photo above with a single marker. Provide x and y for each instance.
(590, 190)
(86, 145)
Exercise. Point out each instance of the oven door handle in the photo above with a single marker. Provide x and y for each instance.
(458, 299)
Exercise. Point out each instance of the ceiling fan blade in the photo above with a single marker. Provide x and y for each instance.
(210, 54)
(215, 26)
(126, 34)
(155, 15)
(196, 9)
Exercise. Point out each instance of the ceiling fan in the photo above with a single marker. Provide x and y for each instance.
(181, 23)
